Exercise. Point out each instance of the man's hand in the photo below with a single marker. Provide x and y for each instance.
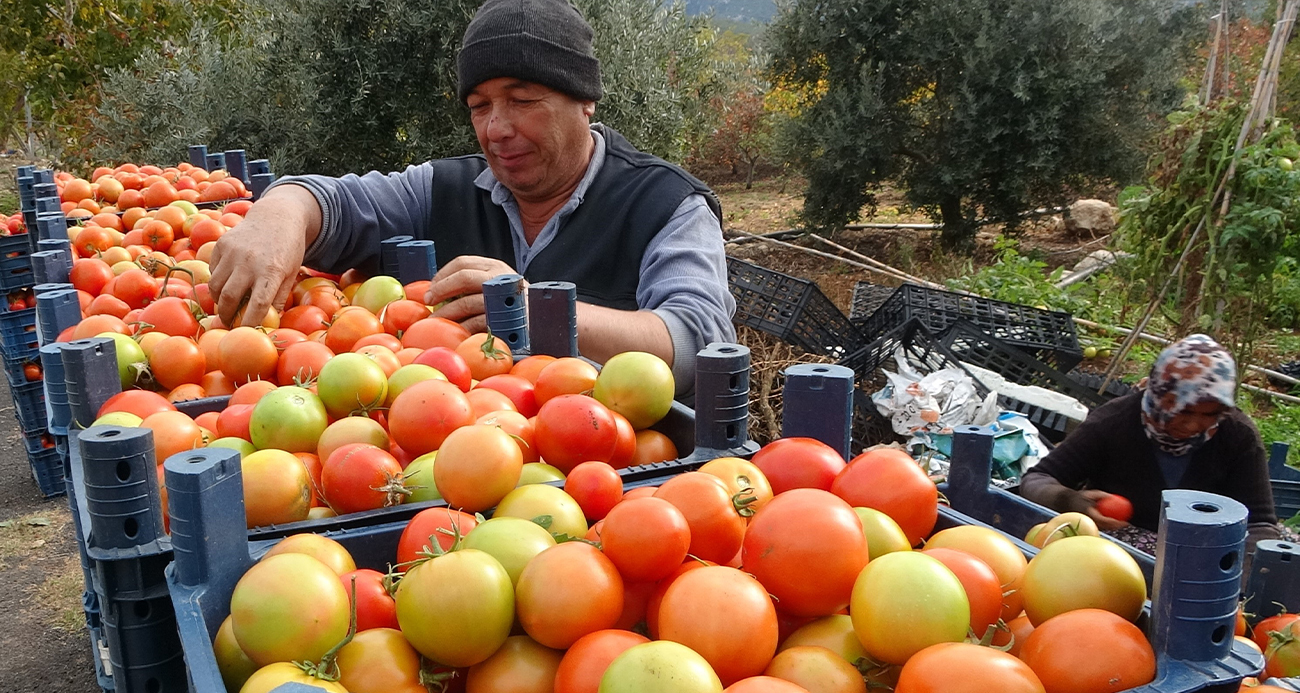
(256, 263)
(460, 283)
(1105, 524)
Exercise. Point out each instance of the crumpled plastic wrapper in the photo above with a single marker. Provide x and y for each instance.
(932, 403)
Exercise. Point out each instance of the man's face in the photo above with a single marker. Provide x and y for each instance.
(536, 139)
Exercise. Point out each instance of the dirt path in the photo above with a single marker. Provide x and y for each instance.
(42, 627)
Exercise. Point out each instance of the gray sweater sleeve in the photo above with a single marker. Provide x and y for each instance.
(684, 281)
(357, 212)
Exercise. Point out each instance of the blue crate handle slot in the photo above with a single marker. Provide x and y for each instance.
(198, 155)
(818, 403)
(553, 323)
(1274, 583)
(416, 261)
(507, 313)
(722, 400)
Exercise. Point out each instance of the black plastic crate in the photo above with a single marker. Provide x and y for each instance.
(1092, 382)
(47, 469)
(29, 406)
(868, 297)
(793, 309)
(1048, 335)
(923, 351)
(974, 345)
(15, 262)
(18, 332)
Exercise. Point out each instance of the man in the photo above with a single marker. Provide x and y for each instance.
(553, 197)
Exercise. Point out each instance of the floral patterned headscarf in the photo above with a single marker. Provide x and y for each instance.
(1190, 371)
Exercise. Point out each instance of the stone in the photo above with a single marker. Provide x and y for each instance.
(1090, 217)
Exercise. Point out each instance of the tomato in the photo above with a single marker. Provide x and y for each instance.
(799, 463)
(816, 669)
(441, 524)
(234, 665)
(351, 429)
(717, 529)
(652, 446)
(1089, 650)
(312, 464)
(377, 292)
(530, 367)
(283, 338)
(883, 534)
(422, 417)
(764, 684)
(585, 662)
(277, 488)
(305, 319)
(983, 589)
(1079, 573)
(132, 364)
(485, 401)
(173, 433)
(271, 677)
(90, 275)
(572, 429)
(375, 606)
(456, 609)
(566, 592)
(512, 541)
(325, 297)
(176, 361)
(350, 326)
(288, 607)
(537, 472)
(540, 501)
(638, 385)
(564, 376)
(596, 487)
(323, 549)
(398, 316)
(799, 528)
(142, 403)
(905, 602)
(288, 418)
(382, 339)
(646, 538)
(234, 421)
(135, 287)
(625, 443)
(98, 324)
(301, 363)
(519, 429)
(108, 304)
(995, 549)
(352, 383)
(1115, 507)
(434, 332)
(1262, 630)
(449, 363)
(360, 477)
(518, 389)
(1282, 657)
(247, 354)
(1014, 636)
(486, 355)
(520, 666)
(302, 287)
(659, 667)
(742, 479)
(966, 668)
(170, 315)
(477, 466)
(382, 356)
(379, 660)
(892, 482)
(834, 632)
(736, 635)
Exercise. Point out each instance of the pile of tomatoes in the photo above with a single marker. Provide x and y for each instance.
(793, 572)
(128, 186)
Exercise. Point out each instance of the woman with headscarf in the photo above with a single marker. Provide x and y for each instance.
(1182, 431)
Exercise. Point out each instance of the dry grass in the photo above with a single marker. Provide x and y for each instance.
(768, 359)
(22, 537)
(59, 597)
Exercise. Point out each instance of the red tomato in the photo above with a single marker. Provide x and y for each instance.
(892, 482)
(486, 355)
(301, 362)
(646, 538)
(564, 376)
(798, 463)
(966, 668)
(717, 529)
(382, 339)
(135, 287)
(108, 304)
(251, 392)
(519, 665)
(305, 319)
(596, 487)
(350, 326)
(426, 412)
(586, 661)
(1089, 650)
(1263, 629)
(983, 589)
(625, 447)
(477, 466)
(661, 588)
(485, 401)
(518, 389)
(379, 660)
(434, 332)
(1115, 507)
(653, 446)
(173, 432)
(375, 606)
(449, 363)
(530, 367)
(248, 354)
(443, 525)
(398, 316)
(360, 477)
(176, 361)
(518, 428)
(572, 429)
(737, 635)
(233, 422)
(142, 403)
(800, 528)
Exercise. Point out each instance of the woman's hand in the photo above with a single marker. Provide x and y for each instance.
(1104, 523)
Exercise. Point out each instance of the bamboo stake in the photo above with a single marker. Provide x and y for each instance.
(871, 261)
(819, 253)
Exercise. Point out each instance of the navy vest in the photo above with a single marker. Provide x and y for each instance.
(598, 247)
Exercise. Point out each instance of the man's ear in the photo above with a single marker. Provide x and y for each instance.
(589, 108)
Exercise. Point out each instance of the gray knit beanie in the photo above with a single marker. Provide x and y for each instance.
(542, 41)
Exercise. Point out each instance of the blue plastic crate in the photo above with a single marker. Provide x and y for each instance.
(35, 442)
(99, 655)
(15, 366)
(1286, 482)
(47, 469)
(18, 332)
(29, 406)
(15, 263)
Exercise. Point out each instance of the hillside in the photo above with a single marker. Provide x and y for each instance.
(737, 10)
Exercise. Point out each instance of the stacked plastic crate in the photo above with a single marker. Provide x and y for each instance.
(19, 341)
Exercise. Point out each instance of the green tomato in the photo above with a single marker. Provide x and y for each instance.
(288, 418)
(539, 473)
(883, 534)
(637, 385)
(288, 607)
(350, 382)
(539, 500)
(513, 541)
(1055, 579)
(409, 375)
(186, 206)
(377, 292)
(456, 609)
(834, 632)
(904, 602)
(119, 418)
(131, 361)
(1285, 164)
(418, 476)
(662, 666)
(243, 447)
(1090, 352)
